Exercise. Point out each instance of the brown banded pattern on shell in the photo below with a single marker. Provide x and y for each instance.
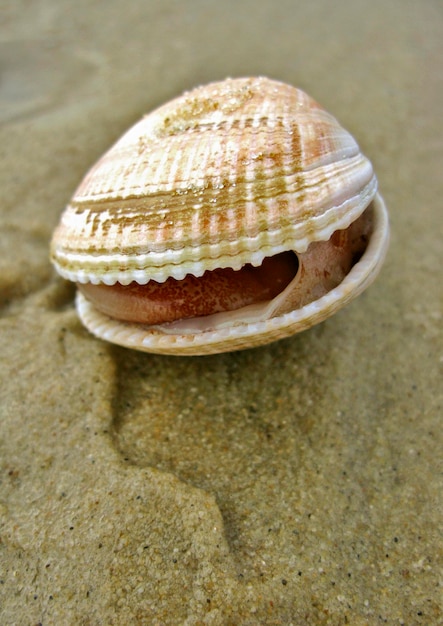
(221, 176)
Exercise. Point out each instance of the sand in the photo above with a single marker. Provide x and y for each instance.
(299, 483)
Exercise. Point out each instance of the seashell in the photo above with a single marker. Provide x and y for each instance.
(237, 214)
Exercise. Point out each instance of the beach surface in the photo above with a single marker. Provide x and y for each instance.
(295, 484)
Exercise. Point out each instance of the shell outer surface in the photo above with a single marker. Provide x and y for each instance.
(222, 176)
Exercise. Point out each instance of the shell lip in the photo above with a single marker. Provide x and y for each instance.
(177, 263)
(245, 335)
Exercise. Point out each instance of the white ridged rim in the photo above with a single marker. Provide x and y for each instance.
(245, 335)
(160, 266)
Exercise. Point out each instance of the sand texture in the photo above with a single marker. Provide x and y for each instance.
(295, 484)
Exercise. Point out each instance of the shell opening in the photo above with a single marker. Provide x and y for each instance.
(224, 297)
(216, 291)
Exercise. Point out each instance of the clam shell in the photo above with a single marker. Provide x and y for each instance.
(224, 175)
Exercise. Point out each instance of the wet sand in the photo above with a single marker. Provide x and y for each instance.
(298, 483)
